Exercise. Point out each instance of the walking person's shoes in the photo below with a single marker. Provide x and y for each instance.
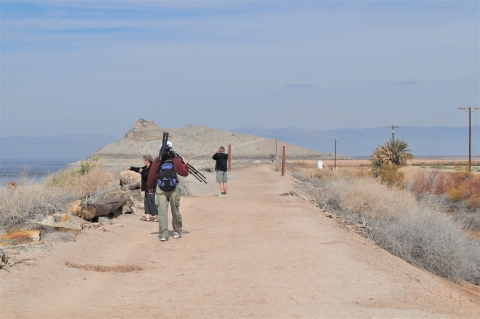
(163, 239)
(177, 234)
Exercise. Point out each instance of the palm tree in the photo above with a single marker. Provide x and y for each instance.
(394, 152)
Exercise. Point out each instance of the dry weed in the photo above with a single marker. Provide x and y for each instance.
(88, 177)
(431, 241)
(366, 197)
(24, 202)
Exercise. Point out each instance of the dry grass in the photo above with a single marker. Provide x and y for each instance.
(88, 177)
(28, 200)
(366, 197)
(431, 241)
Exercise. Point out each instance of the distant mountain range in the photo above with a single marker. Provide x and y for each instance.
(68, 147)
(422, 141)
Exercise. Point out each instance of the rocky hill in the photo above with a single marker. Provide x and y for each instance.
(200, 142)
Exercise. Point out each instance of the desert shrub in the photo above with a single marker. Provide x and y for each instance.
(365, 197)
(468, 220)
(360, 173)
(88, 177)
(459, 186)
(390, 175)
(325, 175)
(303, 163)
(431, 241)
(434, 182)
(416, 231)
(23, 203)
(466, 187)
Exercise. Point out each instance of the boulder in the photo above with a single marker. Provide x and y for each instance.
(129, 177)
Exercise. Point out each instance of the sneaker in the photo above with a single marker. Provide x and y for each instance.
(224, 195)
(177, 234)
(163, 239)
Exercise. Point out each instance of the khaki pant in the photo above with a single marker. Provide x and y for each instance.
(161, 200)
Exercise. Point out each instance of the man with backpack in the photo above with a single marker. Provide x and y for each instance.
(163, 179)
(221, 166)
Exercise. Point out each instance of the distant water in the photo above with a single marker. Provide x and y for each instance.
(34, 171)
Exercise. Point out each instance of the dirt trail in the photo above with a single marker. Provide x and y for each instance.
(253, 254)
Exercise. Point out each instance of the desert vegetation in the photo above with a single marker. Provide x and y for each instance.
(426, 221)
(29, 199)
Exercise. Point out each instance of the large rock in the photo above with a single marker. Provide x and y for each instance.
(129, 177)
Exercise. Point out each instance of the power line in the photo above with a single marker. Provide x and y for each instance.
(356, 149)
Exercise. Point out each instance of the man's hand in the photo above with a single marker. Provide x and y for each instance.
(184, 160)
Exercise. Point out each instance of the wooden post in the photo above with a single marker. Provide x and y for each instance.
(229, 157)
(283, 161)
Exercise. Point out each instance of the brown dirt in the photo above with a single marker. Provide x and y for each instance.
(253, 254)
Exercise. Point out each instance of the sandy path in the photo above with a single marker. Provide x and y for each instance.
(254, 254)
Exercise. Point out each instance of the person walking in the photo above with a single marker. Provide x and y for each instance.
(148, 199)
(221, 159)
(161, 166)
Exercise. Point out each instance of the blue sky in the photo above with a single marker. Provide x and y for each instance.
(71, 67)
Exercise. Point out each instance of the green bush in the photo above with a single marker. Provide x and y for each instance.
(389, 175)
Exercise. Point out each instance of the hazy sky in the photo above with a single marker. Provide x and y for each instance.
(97, 67)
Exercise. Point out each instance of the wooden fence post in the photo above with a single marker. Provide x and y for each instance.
(283, 161)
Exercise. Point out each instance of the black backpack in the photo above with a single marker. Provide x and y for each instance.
(166, 175)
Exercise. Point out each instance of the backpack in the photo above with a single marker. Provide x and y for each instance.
(166, 175)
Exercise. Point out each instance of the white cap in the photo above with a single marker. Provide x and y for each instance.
(168, 144)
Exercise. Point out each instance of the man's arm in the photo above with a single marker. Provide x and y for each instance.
(181, 167)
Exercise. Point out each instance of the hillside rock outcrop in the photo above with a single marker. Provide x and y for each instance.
(200, 142)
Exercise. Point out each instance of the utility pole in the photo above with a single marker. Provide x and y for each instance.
(470, 110)
(393, 130)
